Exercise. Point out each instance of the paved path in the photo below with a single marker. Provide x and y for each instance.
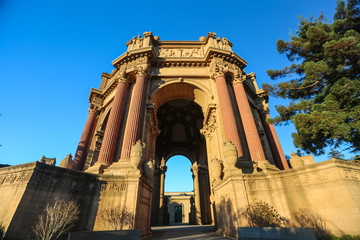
(185, 232)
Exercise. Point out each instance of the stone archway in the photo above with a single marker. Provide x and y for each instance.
(180, 118)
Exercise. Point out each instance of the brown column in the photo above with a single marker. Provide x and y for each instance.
(81, 151)
(112, 128)
(252, 136)
(195, 170)
(274, 142)
(135, 117)
(227, 114)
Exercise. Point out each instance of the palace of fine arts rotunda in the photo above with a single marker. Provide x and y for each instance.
(190, 98)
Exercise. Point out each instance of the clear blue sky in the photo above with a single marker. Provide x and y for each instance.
(53, 52)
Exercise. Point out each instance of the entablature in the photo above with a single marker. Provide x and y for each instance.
(96, 97)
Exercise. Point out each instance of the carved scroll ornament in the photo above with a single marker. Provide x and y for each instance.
(210, 125)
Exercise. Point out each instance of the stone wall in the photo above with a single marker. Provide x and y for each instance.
(26, 189)
(330, 189)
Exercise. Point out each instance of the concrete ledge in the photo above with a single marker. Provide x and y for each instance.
(108, 235)
(263, 233)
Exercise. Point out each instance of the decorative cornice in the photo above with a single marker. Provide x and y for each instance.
(130, 58)
(96, 98)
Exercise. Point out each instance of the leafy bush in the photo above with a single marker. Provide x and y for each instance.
(261, 214)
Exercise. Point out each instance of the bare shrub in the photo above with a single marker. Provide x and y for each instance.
(58, 218)
(306, 218)
(261, 214)
(117, 218)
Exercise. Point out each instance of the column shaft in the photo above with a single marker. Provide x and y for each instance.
(227, 114)
(112, 129)
(195, 171)
(162, 185)
(252, 136)
(274, 142)
(135, 117)
(81, 151)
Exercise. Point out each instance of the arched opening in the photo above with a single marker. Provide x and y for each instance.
(179, 176)
(179, 190)
(180, 121)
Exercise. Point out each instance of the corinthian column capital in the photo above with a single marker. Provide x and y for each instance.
(218, 70)
(238, 77)
(121, 77)
(93, 109)
(143, 70)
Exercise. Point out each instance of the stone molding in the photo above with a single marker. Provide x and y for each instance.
(327, 171)
(37, 175)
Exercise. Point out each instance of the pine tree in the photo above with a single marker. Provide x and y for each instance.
(323, 81)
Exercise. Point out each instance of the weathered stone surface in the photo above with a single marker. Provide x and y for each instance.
(108, 235)
(265, 233)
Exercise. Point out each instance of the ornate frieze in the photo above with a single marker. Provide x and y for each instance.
(114, 187)
(14, 178)
(47, 179)
(259, 182)
(180, 53)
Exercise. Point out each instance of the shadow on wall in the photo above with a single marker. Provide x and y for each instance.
(266, 216)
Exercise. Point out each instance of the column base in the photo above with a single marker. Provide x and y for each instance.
(98, 168)
(123, 168)
(265, 166)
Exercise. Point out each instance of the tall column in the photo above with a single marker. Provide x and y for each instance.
(274, 142)
(227, 112)
(163, 169)
(252, 135)
(195, 171)
(135, 117)
(107, 150)
(85, 139)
